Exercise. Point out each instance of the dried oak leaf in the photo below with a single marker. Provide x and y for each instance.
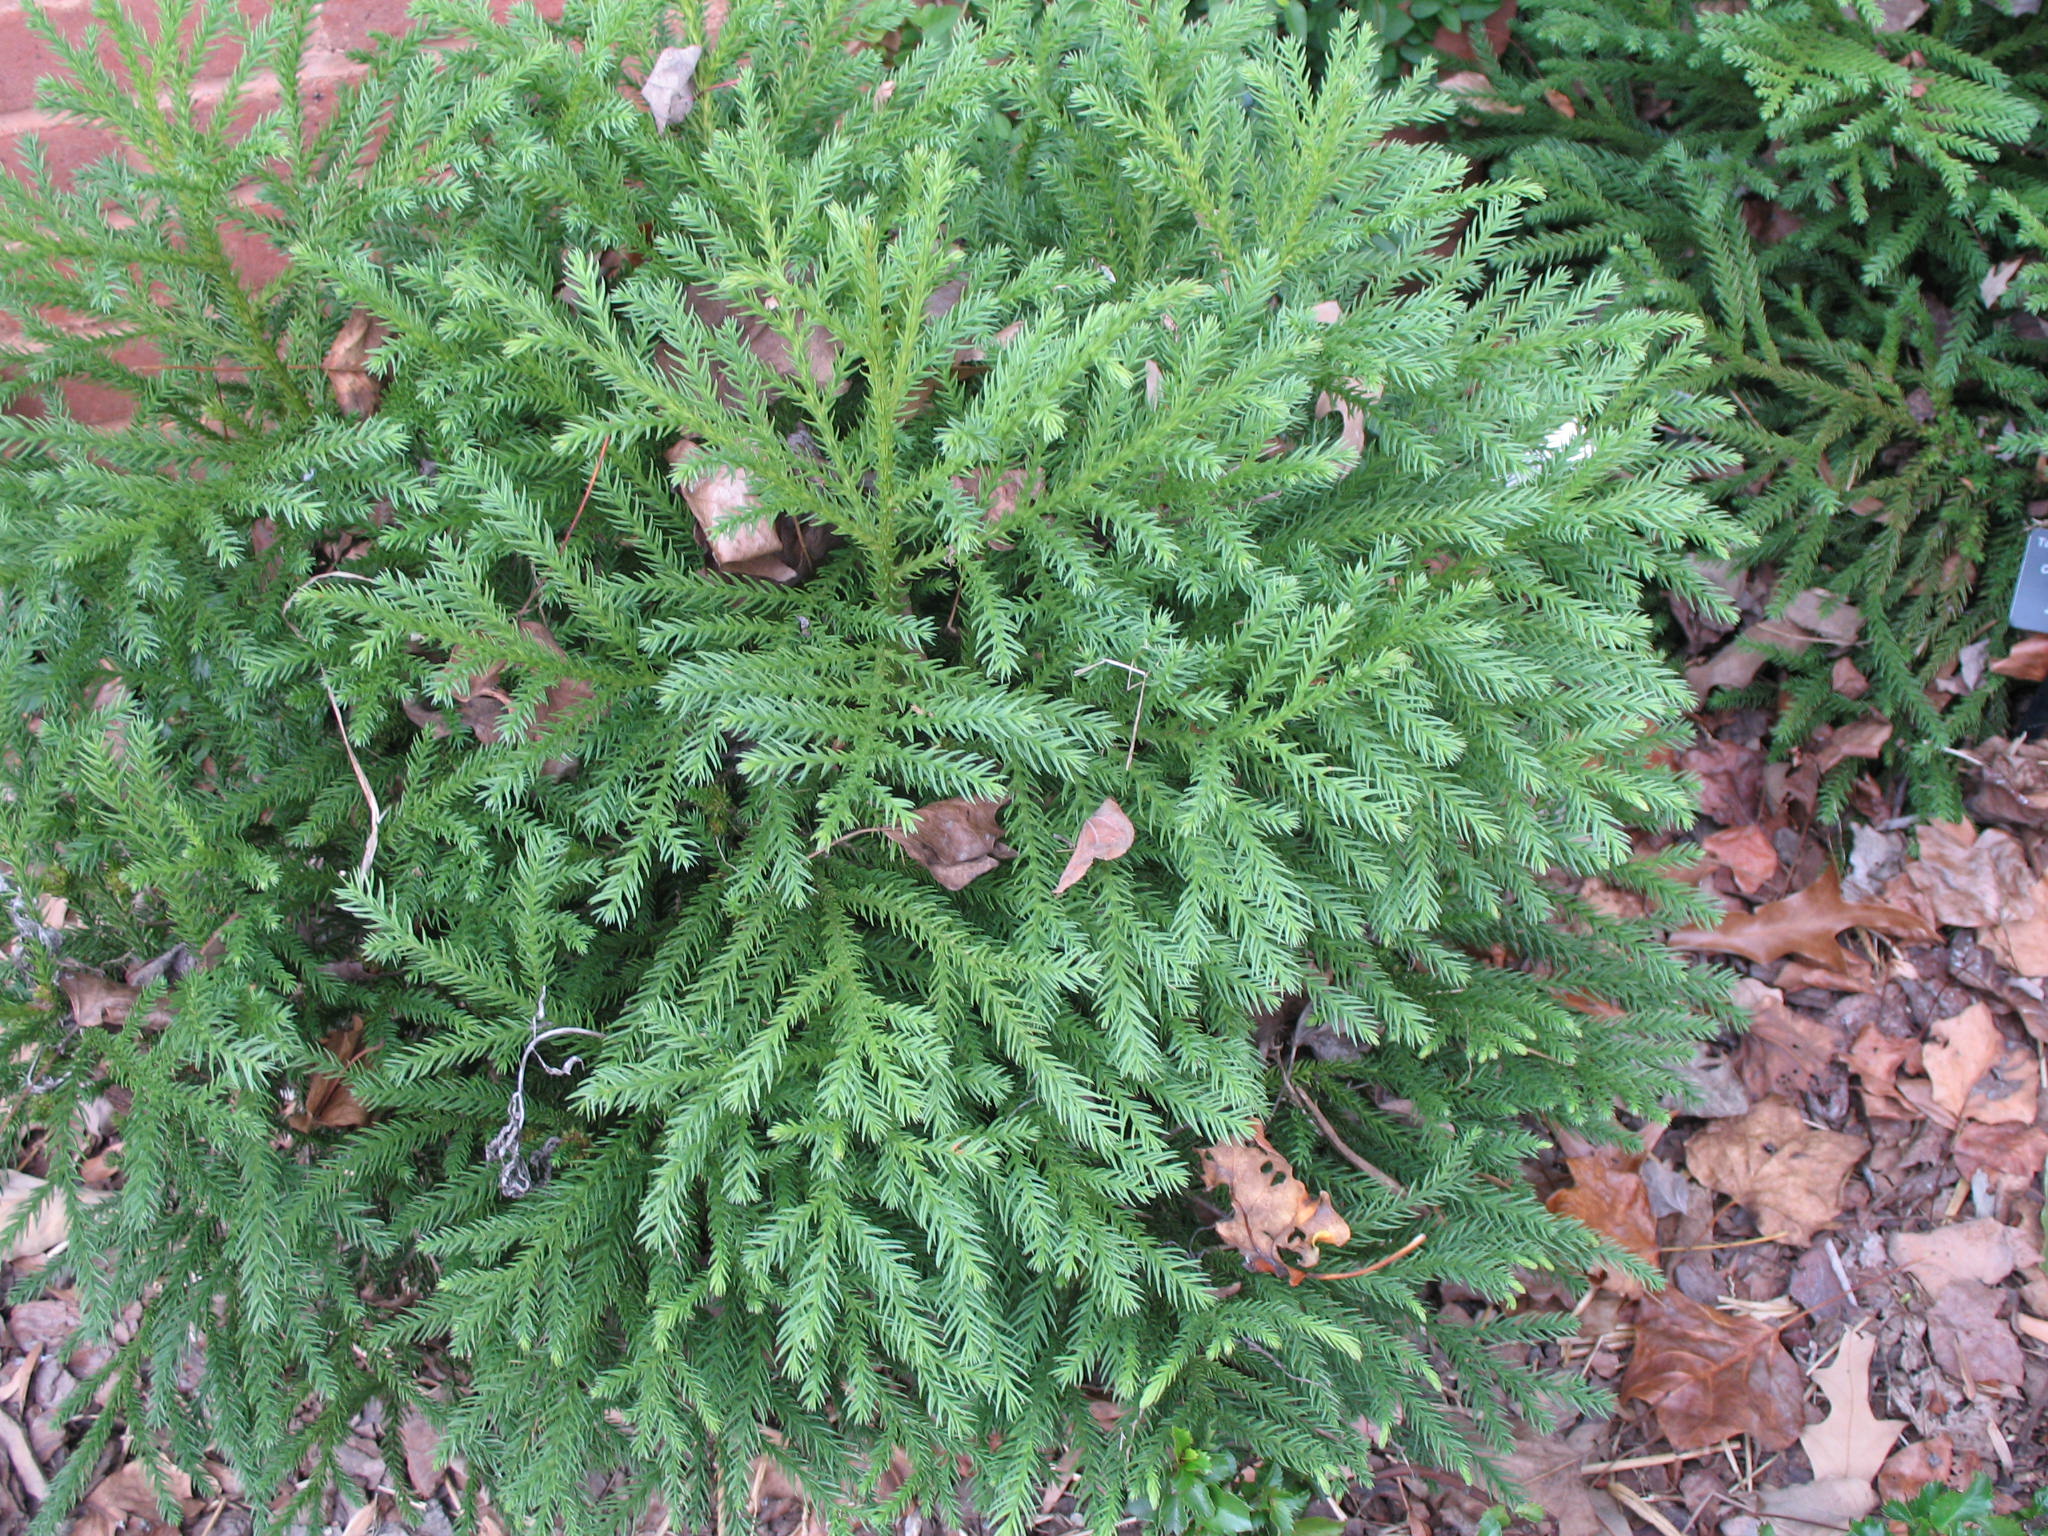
(1851, 1442)
(1270, 1209)
(957, 840)
(1607, 1194)
(329, 1103)
(1710, 1376)
(1785, 1171)
(347, 364)
(1804, 923)
(1107, 834)
(670, 90)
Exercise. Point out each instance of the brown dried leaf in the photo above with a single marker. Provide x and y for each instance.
(1825, 1507)
(1107, 834)
(1608, 1195)
(1965, 878)
(347, 364)
(129, 1493)
(1877, 1058)
(1012, 488)
(2010, 782)
(1735, 665)
(1546, 1471)
(1473, 89)
(1960, 1051)
(2027, 661)
(767, 342)
(1270, 1209)
(1863, 738)
(421, 1444)
(721, 500)
(1731, 779)
(1710, 1376)
(97, 1000)
(1748, 854)
(1804, 923)
(1982, 1251)
(2013, 1155)
(1913, 1467)
(329, 1103)
(1788, 1173)
(671, 90)
(1784, 1051)
(1970, 1341)
(1816, 614)
(957, 840)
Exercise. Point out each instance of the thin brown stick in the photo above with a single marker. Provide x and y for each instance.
(540, 582)
(846, 837)
(1401, 1252)
(341, 724)
(1643, 1508)
(1062, 1479)
(1314, 1111)
(1637, 1463)
(1739, 1242)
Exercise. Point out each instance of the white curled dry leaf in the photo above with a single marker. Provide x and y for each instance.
(1108, 834)
(670, 90)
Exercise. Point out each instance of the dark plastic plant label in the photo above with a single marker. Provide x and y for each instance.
(2030, 597)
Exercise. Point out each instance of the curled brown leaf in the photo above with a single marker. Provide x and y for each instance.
(347, 364)
(957, 840)
(1271, 1212)
(1108, 834)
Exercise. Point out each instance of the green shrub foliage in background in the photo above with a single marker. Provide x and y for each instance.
(1853, 200)
(542, 988)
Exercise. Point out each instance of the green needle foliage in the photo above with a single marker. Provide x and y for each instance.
(411, 736)
(1857, 214)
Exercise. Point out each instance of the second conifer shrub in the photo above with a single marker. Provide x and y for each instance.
(1849, 199)
(859, 751)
